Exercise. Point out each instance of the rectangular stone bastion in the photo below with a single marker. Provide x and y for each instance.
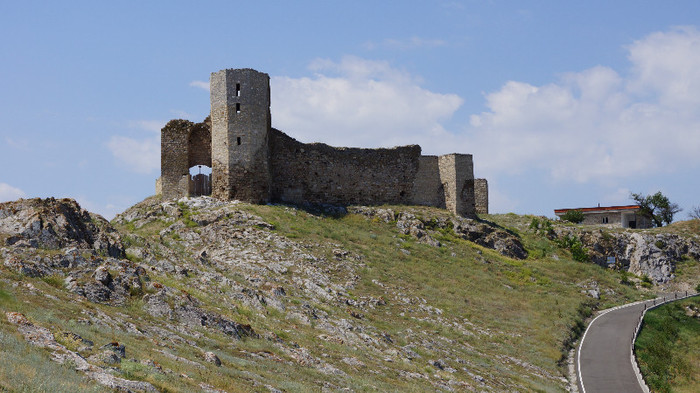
(253, 162)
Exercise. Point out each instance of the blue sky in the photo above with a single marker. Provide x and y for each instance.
(562, 104)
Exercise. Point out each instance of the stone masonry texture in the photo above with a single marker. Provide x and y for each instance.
(481, 196)
(255, 163)
(240, 113)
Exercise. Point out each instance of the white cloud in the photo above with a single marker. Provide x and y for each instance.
(139, 155)
(666, 64)
(9, 193)
(358, 102)
(200, 84)
(597, 124)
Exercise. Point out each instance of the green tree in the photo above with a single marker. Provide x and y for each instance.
(656, 207)
(575, 216)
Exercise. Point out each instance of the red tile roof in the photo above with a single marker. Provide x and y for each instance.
(598, 209)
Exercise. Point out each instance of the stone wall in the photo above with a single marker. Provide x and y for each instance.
(457, 177)
(200, 144)
(428, 190)
(319, 173)
(183, 144)
(481, 196)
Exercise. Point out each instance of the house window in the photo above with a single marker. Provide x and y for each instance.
(238, 89)
(605, 220)
(238, 107)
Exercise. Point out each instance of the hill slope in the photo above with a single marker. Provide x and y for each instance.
(205, 295)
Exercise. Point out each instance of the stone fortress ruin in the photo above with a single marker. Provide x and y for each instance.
(253, 162)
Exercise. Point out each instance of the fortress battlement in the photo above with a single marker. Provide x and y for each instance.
(253, 162)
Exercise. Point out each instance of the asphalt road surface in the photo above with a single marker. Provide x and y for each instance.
(604, 361)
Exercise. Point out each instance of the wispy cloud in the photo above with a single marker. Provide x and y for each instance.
(147, 125)
(19, 144)
(406, 44)
(200, 84)
(106, 210)
(138, 155)
(9, 193)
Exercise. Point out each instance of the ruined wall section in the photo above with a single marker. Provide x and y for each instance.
(199, 144)
(427, 187)
(183, 144)
(481, 196)
(240, 116)
(319, 173)
(174, 169)
(457, 177)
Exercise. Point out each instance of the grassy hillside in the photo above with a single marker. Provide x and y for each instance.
(667, 347)
(362, 305)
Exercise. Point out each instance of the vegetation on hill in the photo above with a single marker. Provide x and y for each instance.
(667, 347)
(657, 207)
(229, 296)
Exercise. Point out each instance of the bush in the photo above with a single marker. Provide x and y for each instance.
(573, 243)
(625, 278)
(542, 227)
(574, 216)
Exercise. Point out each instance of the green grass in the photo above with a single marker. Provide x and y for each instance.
(26, 369)
(481, 306)
(667, 348)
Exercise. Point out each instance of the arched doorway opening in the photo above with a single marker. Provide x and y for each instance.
(200, 180)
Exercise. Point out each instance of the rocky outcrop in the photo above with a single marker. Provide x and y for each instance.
(642, 253)
(489, 236)
(475, 231)
(185, 310)
(57, 223)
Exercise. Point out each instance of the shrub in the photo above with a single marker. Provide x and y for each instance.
(625, 278)
(55, 280)
(541, 226)
(574, 216)
(579, 253)
(573, 243)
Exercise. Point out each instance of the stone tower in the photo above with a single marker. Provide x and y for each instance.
(457, 177)
(240, 124)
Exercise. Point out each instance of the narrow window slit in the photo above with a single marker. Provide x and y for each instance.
(238, 89)
(238, 140)
(238, 107)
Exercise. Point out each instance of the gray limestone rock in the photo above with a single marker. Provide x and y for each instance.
(641, 253)
(212, 358)
(57, 223)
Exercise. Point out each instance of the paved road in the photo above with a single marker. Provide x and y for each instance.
(604, 359)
